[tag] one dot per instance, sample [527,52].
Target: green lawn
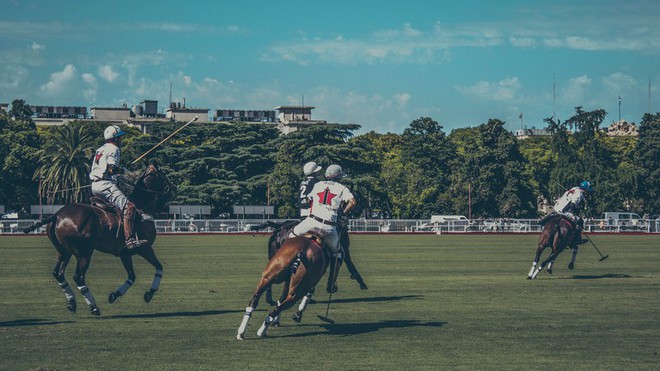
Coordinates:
[434,302]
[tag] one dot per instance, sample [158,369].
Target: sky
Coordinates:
[380,64]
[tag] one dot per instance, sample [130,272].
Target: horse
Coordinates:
[78,229]
[558,233]
[281,232]
[299,263]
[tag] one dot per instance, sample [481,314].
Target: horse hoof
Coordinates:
[549,271]
[240,337]
[529,277]
[297,317]
[113,297]
[72,306]
[95,311]
[571,266]
[149,295]
[363,286]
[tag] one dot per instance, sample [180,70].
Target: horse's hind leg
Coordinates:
[303,305]
[127,262]
[275,313]
[79,278]
[263,284]
[533,271]
[285,293]
[58,273]
[150,256]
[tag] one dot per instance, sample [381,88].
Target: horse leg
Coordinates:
[571,265]
[58,273]
[79,278]
[303,305]
[285,293]
[127,261]
[533,272]
[275,313]
[269,296]
[150,256]
[263,284]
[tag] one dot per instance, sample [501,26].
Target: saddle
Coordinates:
[551,216]
[104,205]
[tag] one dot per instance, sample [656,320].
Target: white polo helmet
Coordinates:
[113,131]
[311,168]
[334,172]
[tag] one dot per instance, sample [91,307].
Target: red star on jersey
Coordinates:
[97,157]
[326,197]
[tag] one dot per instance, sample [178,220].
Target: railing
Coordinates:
[376,226]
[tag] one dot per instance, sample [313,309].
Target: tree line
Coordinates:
[482,171]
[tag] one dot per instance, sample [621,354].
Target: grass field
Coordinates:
[434,302]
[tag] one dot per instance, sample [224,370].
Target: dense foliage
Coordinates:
[480,171]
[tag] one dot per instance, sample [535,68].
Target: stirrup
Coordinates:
[134,243]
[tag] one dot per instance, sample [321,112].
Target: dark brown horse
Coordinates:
[558,233]
[311,262]
[79,229]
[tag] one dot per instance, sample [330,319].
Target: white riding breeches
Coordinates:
[109,192]
[330,238]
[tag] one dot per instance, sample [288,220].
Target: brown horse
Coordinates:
[79,229]
[299,263]
[558,233]
[281,232]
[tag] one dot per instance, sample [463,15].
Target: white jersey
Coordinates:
[107,154]
[571,201]
[326,198]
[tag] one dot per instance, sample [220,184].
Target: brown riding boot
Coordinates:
[129,233]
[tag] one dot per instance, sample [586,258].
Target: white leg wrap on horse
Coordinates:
[87,293]
[156,284]
[68,292]
[124,287]
[264,327]
[246,319]
[531,271]
[303,303]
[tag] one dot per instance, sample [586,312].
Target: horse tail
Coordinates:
[40,223]
[266,225]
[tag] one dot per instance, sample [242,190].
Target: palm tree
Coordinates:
[64,164]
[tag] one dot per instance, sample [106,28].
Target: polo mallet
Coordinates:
[327,308]
[594,245]
[165,140]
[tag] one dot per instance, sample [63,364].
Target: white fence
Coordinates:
[376,226]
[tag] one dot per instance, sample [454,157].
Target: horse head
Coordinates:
[152,189]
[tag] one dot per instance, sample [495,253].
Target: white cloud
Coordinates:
[504,90]
[522,42]
[107,73]
[59,81]
[12,77]
[574,92]
[618,82]
[91,89]
[37,46]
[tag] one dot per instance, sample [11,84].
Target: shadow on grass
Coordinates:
[31,322]
[374,299]
[364,328]
[609,275]
[173,314]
